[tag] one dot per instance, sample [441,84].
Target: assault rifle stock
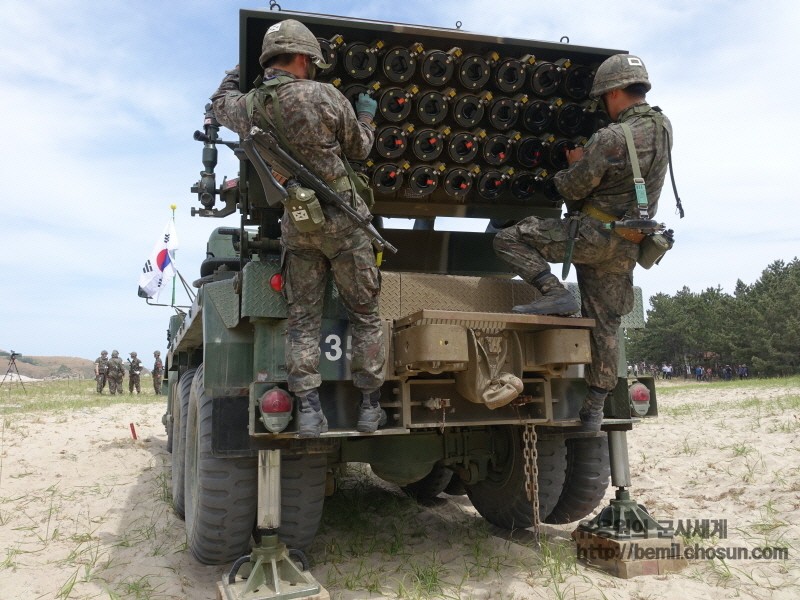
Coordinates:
[266,154]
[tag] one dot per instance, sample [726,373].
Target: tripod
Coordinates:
[12,364]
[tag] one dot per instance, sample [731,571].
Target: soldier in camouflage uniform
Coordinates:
[134,374]
[101,370]
[323,129]
[599,184]
[116,372]
[158,372]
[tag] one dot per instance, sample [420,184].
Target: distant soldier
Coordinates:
[116,373]
[101,370]
[134,371]
[158,372]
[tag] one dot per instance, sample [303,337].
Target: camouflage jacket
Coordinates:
[116,367]
[319,122]
[135,366]
[158,368]
[101,365]
[604,177]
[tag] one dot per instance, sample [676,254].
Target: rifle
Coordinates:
[276,158]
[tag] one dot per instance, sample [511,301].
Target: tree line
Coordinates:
[759,325]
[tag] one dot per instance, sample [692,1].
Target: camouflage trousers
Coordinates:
[157,383]
[101,382]
[307,258]
[134,382]
[115,384]
[604,263]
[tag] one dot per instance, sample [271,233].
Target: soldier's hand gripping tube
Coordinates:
[263,142]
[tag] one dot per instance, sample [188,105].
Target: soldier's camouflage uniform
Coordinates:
[101,371]
[134,375]
[321,126]
[604,261]
[116,373]
[158,374]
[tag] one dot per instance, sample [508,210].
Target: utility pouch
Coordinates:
[653,248]
[304,209]
[361,183]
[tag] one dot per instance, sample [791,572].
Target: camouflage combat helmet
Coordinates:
[133,354]
[114,354]
[617,72]
[291,37]
[157,353]
[104,353]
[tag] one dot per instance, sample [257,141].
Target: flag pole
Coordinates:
[173,207]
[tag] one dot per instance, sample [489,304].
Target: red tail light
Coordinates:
[639,395]
[276,409]
[276,400]
[276,282]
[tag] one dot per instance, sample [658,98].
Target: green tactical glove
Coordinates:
[365,105]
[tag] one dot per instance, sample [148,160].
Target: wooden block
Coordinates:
[630,557]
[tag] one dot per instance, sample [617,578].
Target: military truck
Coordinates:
[468,126]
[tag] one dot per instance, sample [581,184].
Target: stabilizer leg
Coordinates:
[271,571]
[624,539]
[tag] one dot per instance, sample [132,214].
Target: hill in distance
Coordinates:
[50,367]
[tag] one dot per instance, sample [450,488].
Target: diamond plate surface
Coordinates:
[405,293]
[260,300]
[223,297]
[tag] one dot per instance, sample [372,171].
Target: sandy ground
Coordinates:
[84,513]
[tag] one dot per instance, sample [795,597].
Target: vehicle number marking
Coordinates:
[333,347]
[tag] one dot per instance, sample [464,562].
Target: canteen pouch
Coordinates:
[304,209]
[653,248]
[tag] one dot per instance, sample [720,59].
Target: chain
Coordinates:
[531,475]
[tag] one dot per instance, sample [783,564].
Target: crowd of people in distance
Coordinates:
[699,372]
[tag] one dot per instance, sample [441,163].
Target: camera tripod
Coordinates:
[12,364]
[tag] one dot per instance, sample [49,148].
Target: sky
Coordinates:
[100,100]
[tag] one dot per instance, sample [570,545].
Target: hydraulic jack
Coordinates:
[271,570]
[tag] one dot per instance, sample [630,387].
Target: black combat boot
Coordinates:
[591,413]
[370,414]
[555,298]
[310,420]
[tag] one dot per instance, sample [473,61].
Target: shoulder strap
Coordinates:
[678,204]
[655,113]
[638,181]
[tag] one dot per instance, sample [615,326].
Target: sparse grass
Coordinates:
[64,395]
[690,447]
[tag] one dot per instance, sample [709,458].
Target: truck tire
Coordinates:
[501,498]
[180,409]
[303,478]
[587,478]
[430,486]
[173,384]
[221,493]
[552,467]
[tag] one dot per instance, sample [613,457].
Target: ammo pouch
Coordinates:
[653,248]
[303,208]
